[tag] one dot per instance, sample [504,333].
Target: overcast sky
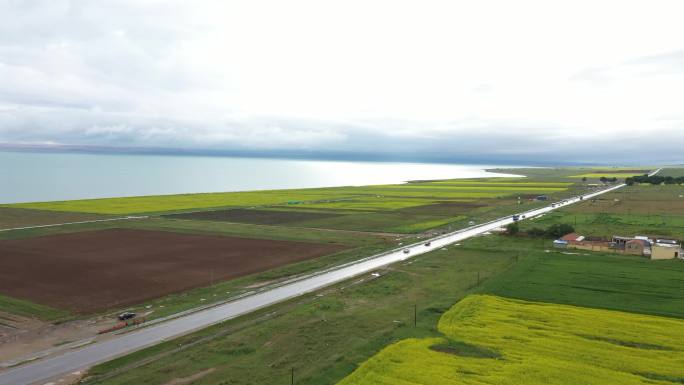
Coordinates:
[521,80]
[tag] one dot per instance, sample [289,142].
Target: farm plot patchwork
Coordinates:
[406,208]
[165,203]
[493,340]
[634,210]
[98,270]
[399,196]
[258,217]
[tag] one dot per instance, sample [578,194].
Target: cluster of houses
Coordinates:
[637,245]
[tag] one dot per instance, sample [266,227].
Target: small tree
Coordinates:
[512,228]
[584,179]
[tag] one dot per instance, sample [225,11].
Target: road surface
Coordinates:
[90,355]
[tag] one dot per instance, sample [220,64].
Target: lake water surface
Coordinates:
[30,177]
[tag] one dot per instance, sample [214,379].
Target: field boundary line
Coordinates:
[77,223]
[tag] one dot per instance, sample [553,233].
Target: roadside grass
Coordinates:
[534,343]
[221,291]
[322,336]
[32,310]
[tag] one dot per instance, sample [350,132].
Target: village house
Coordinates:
[637,245]
[666,249]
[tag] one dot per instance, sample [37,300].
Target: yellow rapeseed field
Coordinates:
[494,340]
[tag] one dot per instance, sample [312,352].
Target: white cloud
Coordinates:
[581,80]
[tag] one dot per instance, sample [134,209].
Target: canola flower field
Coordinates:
[494,340]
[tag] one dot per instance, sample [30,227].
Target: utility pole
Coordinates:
[292,376]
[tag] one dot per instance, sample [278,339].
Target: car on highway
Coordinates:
[406,251]
[516,217]
[427,244]
[126,315]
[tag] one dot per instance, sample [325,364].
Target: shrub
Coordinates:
[559,229]
[512,228]
[536,232]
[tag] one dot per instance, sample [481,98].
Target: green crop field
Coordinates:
[494,340]
[607,281]
[675,172]
[161,203]
[633,210]
[568,174]
[594,175]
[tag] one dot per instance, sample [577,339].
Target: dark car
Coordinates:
[126,315]
[427,243]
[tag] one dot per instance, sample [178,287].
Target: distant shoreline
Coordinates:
[284,155]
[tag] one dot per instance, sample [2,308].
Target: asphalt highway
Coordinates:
[82,358]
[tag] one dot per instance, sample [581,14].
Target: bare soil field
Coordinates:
[257,217]
[98,270]
[14,217]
